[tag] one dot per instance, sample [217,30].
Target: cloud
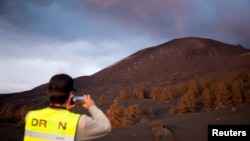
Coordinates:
[220,20]
[156,20]
[26,68]
[81,37]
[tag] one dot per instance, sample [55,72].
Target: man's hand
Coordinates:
[88,102]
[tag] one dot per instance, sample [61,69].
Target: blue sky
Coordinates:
[39,38]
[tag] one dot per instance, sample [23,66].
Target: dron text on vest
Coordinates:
[43,123]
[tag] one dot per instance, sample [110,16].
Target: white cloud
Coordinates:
[27,67]
[24,74]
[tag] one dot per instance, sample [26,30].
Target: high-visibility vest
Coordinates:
[50,124]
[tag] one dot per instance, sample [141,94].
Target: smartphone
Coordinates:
[77,100]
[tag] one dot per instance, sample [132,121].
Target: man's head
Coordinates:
[60,87]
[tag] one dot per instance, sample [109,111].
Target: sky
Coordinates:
[40,38]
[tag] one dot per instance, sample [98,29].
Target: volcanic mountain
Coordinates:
[178,60]
[175,61]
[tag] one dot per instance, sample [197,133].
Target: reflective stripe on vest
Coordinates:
[50,124]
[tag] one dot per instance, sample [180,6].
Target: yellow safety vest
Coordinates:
[50,124]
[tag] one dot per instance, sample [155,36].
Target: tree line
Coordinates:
[229,91]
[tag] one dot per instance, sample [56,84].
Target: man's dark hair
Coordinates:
[60,86]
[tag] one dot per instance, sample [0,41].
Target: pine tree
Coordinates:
[123,95]
[187,102]
[197,84]
[167,93]
[180,88]
[194,87]
[221,95]
[155,92]
[213,82]
[138,92]
[208,100]
[237,98]
[133,111]
[116,115]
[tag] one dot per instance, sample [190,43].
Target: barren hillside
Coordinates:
[169,63]
[174,61]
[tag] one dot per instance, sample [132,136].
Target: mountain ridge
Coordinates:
[177,54]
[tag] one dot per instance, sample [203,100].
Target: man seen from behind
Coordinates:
[57,123]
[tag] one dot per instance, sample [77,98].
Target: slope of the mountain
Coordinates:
[175,61]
